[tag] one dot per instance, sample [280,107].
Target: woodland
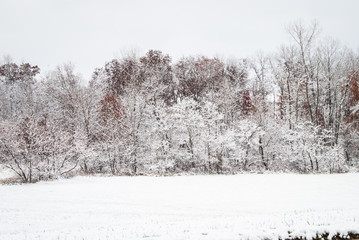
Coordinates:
[294,110]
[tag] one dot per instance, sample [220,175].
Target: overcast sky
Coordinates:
[91,32]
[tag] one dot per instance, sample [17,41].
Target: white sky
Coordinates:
[91,32]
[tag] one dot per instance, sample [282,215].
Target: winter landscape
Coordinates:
[246,206]
[154,145]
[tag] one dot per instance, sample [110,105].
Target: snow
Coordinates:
[6,173]
[182,207]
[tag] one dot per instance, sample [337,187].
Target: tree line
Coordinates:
[292,111]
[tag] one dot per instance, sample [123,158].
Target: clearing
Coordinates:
[183,207]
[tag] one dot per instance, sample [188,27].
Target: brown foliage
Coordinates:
[354,88]
[353,101]
[120,74]
[199,75]
[111,109]
[12,72]
[246,103]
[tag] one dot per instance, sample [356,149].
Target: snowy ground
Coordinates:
[6,173]
[186,207]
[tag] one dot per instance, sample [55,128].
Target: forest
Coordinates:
[295,110]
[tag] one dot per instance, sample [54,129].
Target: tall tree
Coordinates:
[16,87]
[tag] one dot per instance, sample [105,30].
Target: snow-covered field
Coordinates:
[184,207]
